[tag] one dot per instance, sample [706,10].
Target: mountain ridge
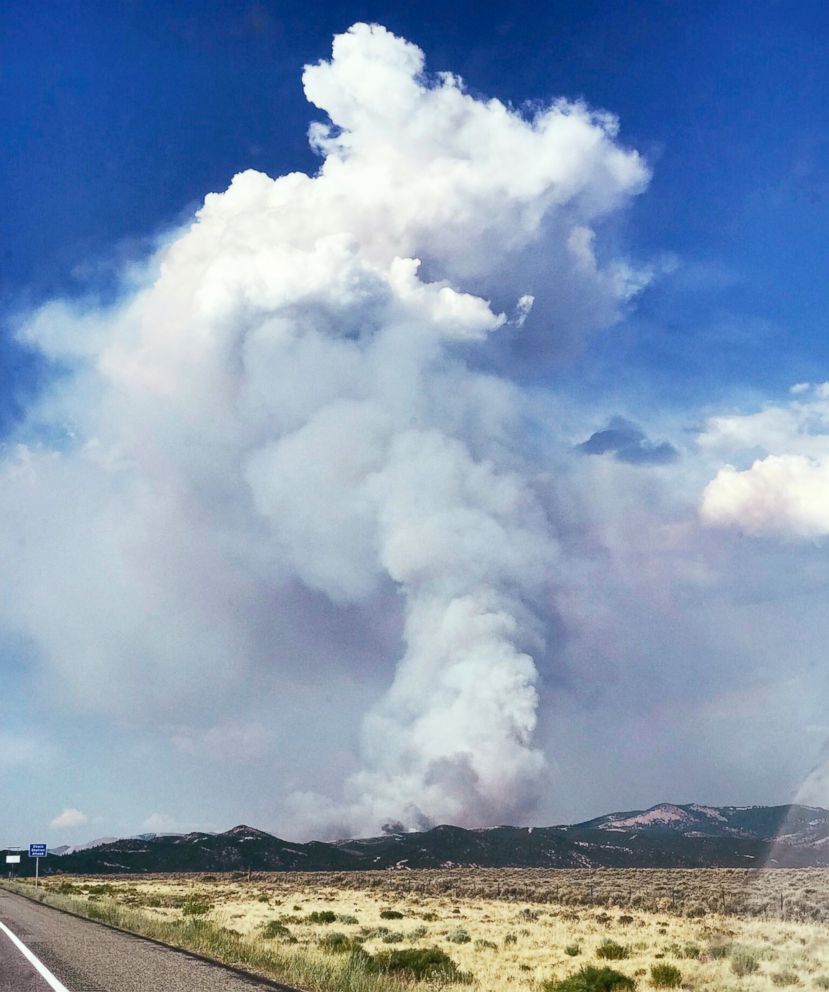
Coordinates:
[667,835]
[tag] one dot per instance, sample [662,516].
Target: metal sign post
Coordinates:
[37,851]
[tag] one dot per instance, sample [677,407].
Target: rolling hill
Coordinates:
[664,836]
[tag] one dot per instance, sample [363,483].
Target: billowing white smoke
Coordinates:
[283,414]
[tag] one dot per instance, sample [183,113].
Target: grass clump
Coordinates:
[195,907]
[718,951]
[610,950]
[785,978]
[321,916]
[572,950]
[418,963]
[459,936]
[592,979]
[665,976]
[744,962]
[273,929]
[485,945]
[338,943]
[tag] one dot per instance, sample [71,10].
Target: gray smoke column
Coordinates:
[287,399]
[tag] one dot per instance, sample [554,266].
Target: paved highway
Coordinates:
[44,950]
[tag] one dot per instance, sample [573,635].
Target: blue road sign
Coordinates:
[37,850]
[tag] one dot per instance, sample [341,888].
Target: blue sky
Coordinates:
[119,117]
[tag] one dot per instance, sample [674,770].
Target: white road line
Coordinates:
[33,961]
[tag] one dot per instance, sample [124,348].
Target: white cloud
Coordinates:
[785,491]
[284,422]
[69,818]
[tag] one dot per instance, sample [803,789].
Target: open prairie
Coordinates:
[525,930]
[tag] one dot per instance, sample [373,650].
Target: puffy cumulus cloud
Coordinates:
[784,491]
[69,818]
[281,440]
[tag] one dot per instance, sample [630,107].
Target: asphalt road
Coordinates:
[81,956]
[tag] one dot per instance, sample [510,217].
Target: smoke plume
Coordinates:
[289,429]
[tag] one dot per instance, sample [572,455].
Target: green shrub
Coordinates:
[744,963]
[691,951]
[665,976]
[592,979]
[625,919]
[392,937]
[419,963]
[347,918]
[573,950]
[611,951]
[418,933]
[274,929]
[459,936]
[321,916]
[391,914]
[337,942]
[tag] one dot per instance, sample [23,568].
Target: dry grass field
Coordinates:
[715,930]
